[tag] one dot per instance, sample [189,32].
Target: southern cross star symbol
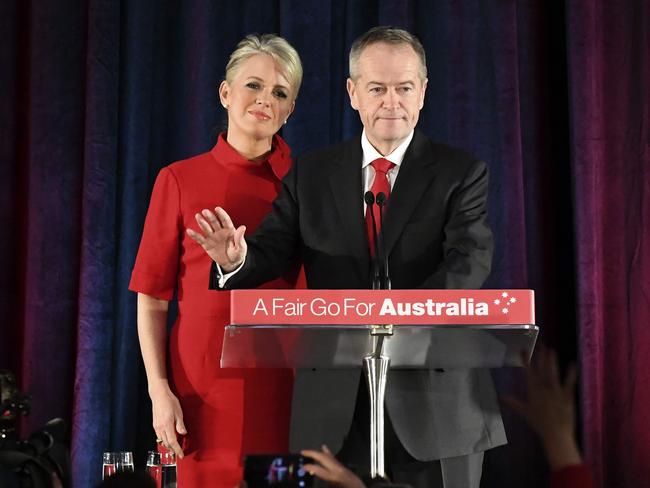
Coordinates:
[505,301]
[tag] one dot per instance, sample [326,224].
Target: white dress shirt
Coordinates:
[370,154]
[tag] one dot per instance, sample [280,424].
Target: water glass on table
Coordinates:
[168,469]
[154,469]
[116,462]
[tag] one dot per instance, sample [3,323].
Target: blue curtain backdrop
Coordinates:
[98,95]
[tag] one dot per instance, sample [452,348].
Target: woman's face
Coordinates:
[259,99]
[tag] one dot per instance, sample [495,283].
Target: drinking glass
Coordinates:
[116,462]
[124,462]
[108,464]
[168,471]
[154,469]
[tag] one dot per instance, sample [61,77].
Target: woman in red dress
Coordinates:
[211,416]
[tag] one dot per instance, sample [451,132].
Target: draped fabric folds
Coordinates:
[99,95]
[609,55]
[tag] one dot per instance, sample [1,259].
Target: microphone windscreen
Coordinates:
[381,198]
[369,198]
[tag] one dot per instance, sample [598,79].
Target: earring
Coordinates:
[285,122]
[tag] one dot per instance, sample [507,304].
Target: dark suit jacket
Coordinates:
[437,237]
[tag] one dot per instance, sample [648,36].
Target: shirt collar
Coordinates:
[279,159]
[370,153]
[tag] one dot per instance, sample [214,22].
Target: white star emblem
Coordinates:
[504,310]
[513,300]
[497,301]
[504,294]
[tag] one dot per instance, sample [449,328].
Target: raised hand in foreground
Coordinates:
[550,408]
[329,469]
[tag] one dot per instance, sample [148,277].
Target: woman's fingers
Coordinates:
[169,437]
[180,426]
[168,420]
[174,445]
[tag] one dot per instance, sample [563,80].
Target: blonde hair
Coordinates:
[388,35]
[275,46]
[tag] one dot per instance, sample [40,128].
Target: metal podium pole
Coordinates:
[376,366]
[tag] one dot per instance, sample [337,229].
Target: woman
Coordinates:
[207,415]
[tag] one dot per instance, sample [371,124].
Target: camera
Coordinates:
[40,461]
[12,404]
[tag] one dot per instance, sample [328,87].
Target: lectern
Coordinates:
[378,330]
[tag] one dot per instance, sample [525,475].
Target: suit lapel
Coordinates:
[415,175]
[345,182]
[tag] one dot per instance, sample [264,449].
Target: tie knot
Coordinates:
[382,165]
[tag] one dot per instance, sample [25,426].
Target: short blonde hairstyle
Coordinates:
[275,46]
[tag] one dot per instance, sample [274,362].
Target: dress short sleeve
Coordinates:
[156,266]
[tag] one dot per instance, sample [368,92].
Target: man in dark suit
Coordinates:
[436,237]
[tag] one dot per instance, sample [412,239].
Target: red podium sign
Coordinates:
[397,307]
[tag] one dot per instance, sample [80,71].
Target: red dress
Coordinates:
[227,412]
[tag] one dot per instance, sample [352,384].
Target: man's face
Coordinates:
[388,93]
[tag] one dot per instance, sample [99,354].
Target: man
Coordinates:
[436,237]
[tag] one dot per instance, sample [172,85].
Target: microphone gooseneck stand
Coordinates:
[375,364]
[369,198]
[381,203]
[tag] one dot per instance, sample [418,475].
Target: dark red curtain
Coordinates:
[609,60]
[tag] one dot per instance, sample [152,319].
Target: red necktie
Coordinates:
[379,184]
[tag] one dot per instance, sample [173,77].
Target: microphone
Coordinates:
[381,203]
[369,198]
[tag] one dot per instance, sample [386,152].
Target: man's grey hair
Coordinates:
[388,35]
